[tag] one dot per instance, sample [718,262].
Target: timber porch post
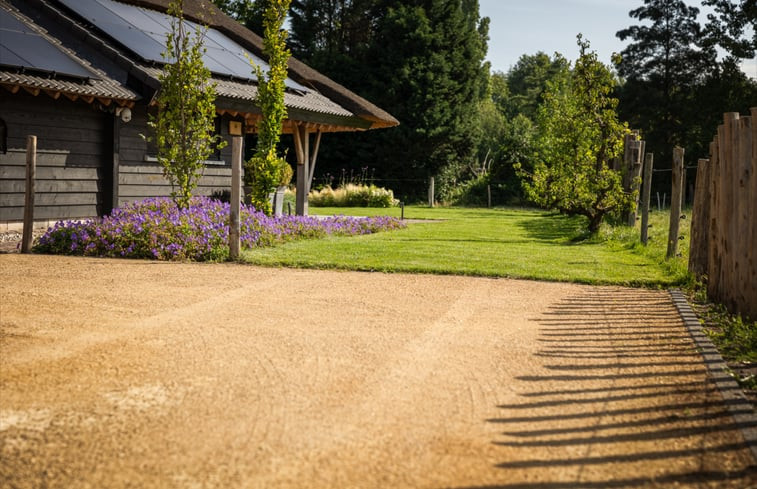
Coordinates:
[305,164]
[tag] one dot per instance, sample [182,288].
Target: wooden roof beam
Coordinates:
[12,88]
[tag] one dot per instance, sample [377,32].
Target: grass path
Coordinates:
[518,243]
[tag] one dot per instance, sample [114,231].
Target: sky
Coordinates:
[527,26]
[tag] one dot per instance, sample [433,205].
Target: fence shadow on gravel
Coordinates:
[619,398]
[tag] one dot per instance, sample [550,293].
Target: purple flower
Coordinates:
[155,228]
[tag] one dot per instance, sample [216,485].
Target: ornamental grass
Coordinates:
[157,229]
[351,195]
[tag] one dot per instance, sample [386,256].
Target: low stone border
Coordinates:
[741,409]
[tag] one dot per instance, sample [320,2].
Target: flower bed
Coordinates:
[155,228]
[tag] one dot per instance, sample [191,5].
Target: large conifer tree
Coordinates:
[666,59]
[422,61]
[675,88]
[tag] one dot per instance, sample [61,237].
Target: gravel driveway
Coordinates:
[117,373]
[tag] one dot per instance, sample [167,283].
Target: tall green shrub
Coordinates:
[266,170]
[184,126]
[578,136]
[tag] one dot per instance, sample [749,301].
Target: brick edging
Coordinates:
[741,409]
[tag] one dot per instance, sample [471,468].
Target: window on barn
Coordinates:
[3,137]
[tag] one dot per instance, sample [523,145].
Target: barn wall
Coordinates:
[72,139]
[139,177]
[75,159]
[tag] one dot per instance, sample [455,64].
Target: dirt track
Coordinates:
[141,374]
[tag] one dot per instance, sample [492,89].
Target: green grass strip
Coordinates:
[516,243]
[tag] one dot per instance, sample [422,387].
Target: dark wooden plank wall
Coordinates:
[139,178]
[74,155]
[72,139]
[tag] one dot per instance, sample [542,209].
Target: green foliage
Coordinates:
[527,82]
[471,193]
[578,136]
[266,170]
[735,336]
[331,34]
[351,195]
[675,88]
[263,175]
[184,125]
[248,12]
[420,60]
[507,128]
[668,57]
[729,26]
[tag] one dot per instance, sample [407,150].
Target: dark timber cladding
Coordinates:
[140,177]
[71,140]
[87,88]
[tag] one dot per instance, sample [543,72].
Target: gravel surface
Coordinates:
[119,373]
[10,241]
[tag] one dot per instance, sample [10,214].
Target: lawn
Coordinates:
[517,243]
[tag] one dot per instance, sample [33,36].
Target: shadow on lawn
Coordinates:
[620,398]
[556,227]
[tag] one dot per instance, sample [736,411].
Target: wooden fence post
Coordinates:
[488,196]
[631,146]
[700,217]
[236,185]
[675,202]
[647,194]
[31,174]
[752,211]
[431,199]
[713,258]
[637,156]
[727,216]
[742,153]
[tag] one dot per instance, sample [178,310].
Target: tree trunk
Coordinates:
[594,222]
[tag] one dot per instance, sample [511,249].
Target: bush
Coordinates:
[473,193]
[351,195]
[158,229]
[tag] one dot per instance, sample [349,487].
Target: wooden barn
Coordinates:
[82,76]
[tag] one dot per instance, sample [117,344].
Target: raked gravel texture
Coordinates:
[119,373]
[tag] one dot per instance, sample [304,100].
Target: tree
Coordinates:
[666,60]
[578,135]
[504,142]
[429,72]
[422,61]
[729,26]
[247,12]
[330,33]
[265,168]
[184,126]
[527,82]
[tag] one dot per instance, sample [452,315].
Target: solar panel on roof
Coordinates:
[144,31]
[22,47]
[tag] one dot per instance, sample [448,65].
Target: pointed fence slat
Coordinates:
[724,221]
